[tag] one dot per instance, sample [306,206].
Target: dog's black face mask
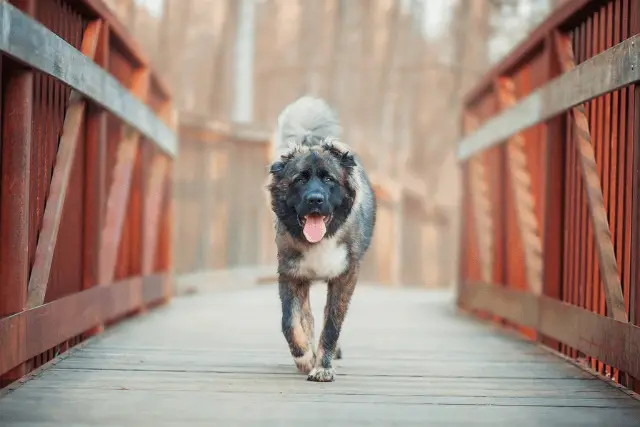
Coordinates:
[311,193]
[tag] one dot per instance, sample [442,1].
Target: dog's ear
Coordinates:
[276,168]
[341,152]
[347,160]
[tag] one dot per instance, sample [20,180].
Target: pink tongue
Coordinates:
[314,228]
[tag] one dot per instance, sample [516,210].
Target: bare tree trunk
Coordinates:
[216,98]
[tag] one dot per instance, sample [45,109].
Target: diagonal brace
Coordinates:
[65,157]
[523,195]
[606,255]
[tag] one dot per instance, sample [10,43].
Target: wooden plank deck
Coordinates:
[218,359]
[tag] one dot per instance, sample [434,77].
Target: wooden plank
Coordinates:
[602,234]
[54,208]
[216,133]
[50,324]
[124,37]
[612,69]
[164,257]
[611,341]
[160,367]
[95,168]
[520,179]
[15,192]
[481,206]
[103,11]
[120,190]
[153,214]
[553,237]
[16,175]
[505,302]
[28,41]
[634,276]
[95,174]
[462,258]
[634,282]
[117,202]
[17,109]
[529,46]
[136,217]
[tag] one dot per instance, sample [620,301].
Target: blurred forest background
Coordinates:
[395,70]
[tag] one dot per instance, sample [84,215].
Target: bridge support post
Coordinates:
[16,110]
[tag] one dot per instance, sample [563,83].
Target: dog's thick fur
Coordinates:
[309,159]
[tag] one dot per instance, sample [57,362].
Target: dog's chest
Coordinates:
[324,260]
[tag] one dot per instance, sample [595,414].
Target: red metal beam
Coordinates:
[601,337]
[119,194]
[635,248]
[602,234]
[17,110]
[153,212]
[14,195]
[32,332]
[54,209]
[529,46]
[95,179]
[552,234]
[99,10]
[117,206]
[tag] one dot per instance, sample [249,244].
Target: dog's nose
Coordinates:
[315,199]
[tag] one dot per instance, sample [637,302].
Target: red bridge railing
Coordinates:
[85,179]
[551,161]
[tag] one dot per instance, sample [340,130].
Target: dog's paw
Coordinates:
[321,375]
[305,363]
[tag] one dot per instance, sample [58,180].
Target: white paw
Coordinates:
[321,375]
[305,363]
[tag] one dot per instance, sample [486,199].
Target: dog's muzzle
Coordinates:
[314,216]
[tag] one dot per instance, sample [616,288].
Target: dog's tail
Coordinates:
[308,120]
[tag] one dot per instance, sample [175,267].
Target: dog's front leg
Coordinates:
[339,295]
[338,353]
[294,296]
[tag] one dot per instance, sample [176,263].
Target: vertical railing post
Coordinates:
[165,253]
[463,234]
[552,233]
[16,110]
[634,280]
[95,179]
[135,220]
[162,242]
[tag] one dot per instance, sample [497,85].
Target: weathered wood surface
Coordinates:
[218,358]
[608,340]
[612,69]
[32,43]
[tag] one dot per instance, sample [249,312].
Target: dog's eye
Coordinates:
[327,178]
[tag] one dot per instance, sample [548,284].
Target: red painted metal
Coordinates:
[37,105]
[570,252]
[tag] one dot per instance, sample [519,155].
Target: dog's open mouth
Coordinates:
[314,226]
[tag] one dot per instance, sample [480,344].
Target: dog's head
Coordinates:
[312,190]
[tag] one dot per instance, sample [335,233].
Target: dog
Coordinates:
[325,214]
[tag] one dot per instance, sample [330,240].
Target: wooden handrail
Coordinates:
[30,42]
[612,69]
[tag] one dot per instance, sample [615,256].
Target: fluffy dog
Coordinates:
[325,212]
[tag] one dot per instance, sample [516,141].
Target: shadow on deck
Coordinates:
[218,358]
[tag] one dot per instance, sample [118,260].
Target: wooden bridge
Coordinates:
[99,180]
